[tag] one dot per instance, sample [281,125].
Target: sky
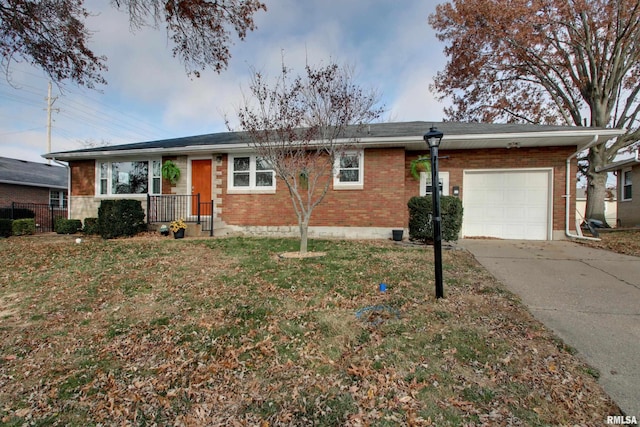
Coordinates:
[149,95]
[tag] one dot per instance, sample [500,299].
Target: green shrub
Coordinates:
[6,229]
[21,227]
[118,218]
[420,208]
[91,226]
[67,226]
[16,213]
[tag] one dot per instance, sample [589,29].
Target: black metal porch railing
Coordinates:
[169,207]
[45,215]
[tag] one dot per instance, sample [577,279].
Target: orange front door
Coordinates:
[200,183]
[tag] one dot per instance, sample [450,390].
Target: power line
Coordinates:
[104,118]
[86,117]
[21,131]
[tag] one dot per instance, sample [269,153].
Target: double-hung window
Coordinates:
[626,184]
[58,199]
[129,177]
[349,171]
[250,174]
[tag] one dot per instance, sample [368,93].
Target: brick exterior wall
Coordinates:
[388,186]
[457,161]
[83,177]
[380,204]
[22,194]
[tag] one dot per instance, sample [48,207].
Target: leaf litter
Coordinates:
[221,332]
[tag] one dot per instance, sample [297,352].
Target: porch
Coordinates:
[169,207]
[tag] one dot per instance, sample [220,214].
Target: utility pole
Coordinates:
[50,102]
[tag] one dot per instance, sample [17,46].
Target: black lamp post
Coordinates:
[433,138]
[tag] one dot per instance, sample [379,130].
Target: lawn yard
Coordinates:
[624,242]
[157,331]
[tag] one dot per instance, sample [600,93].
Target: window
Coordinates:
[425,183]
[104,178]
[131,177]
[58,199]
[349,169]
[626,184]
[156,177]
[250,174]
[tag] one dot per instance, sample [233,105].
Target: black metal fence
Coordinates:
[169,207]
[206,216]
[45,215]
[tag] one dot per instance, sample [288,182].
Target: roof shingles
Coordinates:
[16,171]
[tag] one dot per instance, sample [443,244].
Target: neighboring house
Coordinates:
[36,187]
[29,182]
[513,180]
[610,205]
[628,176]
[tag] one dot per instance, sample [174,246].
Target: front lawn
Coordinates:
[624,242]
[150,331]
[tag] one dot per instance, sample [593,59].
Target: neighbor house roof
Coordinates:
[405,134]
[621,164]
[22,172]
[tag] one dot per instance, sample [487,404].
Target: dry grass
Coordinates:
[151,331]
[624,242]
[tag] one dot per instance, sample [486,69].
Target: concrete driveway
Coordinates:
[589,297]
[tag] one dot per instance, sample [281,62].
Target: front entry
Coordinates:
[200,183]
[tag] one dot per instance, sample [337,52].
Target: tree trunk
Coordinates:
[596,185]
[304,230]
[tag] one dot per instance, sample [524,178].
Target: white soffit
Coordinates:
[502,140]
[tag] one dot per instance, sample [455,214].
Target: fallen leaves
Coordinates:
[623,242]
[117,333]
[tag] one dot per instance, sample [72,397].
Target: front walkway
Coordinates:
[589,297]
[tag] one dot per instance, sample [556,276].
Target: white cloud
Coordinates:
[149,95]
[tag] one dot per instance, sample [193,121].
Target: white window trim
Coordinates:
[622,185]
[252,188]
[109,178]
[359,185]
[62,198]
[425,177]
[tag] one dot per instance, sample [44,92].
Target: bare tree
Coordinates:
[92,143]
[571,62]
[52,34]
[300,127]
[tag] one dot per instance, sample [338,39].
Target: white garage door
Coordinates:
[512,204]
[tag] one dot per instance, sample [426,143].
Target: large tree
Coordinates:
[302,126]
[51,34]
[572,62]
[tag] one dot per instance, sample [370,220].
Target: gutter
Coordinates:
[567,196]
[363,140]
[621,163]
[31,184]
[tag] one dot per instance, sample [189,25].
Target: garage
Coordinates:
[507,204]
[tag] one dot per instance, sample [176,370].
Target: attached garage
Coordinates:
[507,204]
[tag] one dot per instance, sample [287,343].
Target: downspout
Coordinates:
[66,166]
[567,196]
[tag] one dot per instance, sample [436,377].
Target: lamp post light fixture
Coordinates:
[433,138]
